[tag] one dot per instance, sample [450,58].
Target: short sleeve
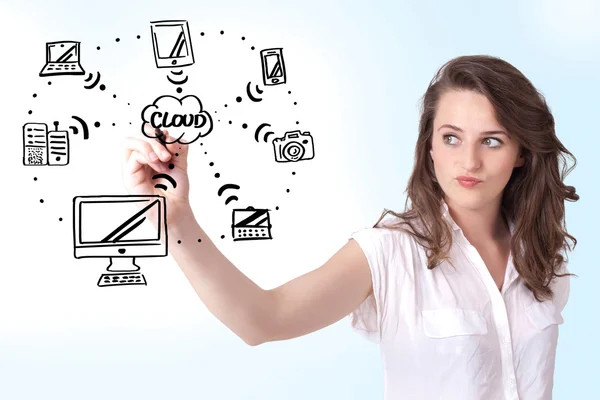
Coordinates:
[367,318]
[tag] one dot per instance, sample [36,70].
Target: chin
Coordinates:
[472,200]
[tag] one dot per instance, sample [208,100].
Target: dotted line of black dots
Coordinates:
[239,100]
[42,200]
[102,87]
[171,166]
[223,32]
[244,126]
[97,124]
[180,89]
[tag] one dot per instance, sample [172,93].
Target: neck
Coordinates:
[482,225]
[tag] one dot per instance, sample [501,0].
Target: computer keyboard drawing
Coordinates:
[122,279]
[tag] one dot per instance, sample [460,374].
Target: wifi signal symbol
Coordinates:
[181,82]
[251,96]
[228,186]
[86,131]
[257,132]
[93,84]
[168,178]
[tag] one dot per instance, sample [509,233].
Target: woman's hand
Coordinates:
[146,158]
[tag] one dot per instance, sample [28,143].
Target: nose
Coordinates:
[471,158]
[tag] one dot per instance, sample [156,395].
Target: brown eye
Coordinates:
[497,140]
[447,136]
[500,142]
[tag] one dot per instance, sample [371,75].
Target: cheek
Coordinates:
[504,166]
[499,172]
[440,155]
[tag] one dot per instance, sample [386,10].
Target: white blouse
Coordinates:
[451,334]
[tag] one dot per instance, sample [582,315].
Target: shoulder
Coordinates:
[389,230]
[389,242]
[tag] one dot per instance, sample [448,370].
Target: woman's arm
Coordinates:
[301,306]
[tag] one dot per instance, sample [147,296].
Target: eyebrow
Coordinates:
[456,128]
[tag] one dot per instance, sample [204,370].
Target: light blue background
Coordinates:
[389,52]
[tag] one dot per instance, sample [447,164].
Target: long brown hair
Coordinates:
[534,196]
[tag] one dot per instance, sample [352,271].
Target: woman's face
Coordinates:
[463,144]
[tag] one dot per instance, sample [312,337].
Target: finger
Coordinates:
[134,168]
[177,151]
[146,152]
[149,130]
[150,148]
[137,162]
[160,150]
[157,141]
[154,133]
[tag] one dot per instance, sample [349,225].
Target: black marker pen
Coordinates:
[160,135]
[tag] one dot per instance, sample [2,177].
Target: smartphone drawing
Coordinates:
[273,66]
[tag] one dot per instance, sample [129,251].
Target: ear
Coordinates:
[520,160]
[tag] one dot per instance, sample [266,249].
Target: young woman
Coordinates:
[464,290]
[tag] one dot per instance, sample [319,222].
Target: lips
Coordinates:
[468,179]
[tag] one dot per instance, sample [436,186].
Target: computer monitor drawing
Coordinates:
[172,44]
[62,58]
[119,228]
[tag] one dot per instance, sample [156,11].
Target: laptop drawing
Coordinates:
[62,58]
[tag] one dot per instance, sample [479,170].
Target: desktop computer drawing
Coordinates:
[62,58]
[117,227]
[172,44]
